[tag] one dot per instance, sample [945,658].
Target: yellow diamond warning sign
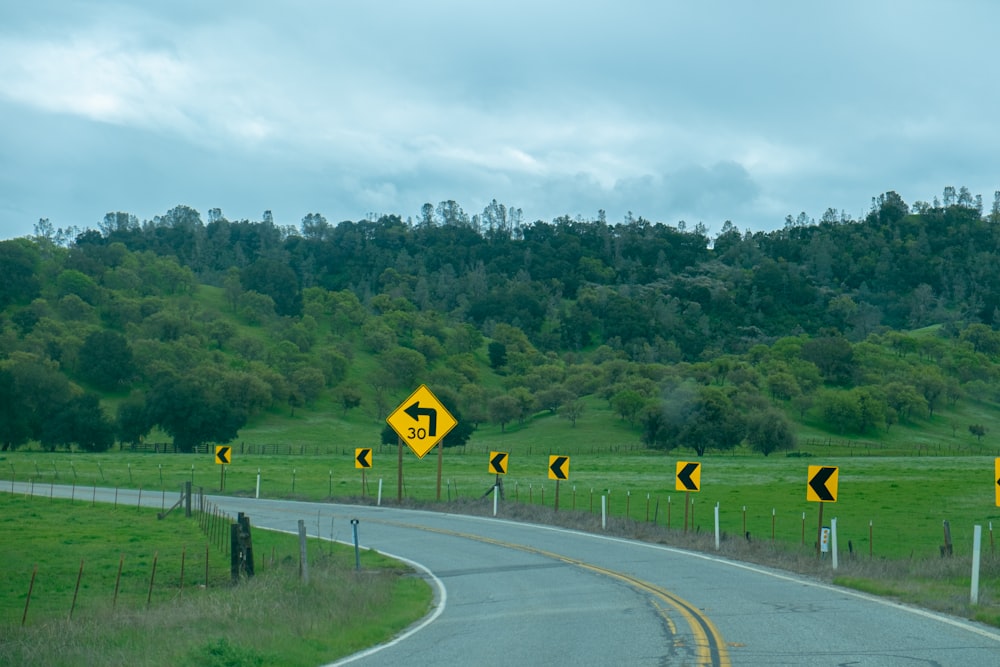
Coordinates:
[421,421]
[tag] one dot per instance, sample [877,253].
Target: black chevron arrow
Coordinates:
[818,483]
[415,412]
[557,465]
[684,476]
[496,463]
[363,458]
[223,454]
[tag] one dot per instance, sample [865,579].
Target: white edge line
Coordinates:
[440,602]
[948,620]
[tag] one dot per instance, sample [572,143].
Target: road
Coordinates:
[513,593]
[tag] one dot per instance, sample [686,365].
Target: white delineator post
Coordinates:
[977,538]
[833,540]
[716,526]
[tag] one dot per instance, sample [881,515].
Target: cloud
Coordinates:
[696,111]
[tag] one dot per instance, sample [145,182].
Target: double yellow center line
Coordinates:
[709,647]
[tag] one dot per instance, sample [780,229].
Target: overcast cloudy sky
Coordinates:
[697,111]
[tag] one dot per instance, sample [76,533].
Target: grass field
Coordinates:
[887,507]
[167,614]
[894,494]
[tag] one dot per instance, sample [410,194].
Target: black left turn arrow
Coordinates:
[222,454]
[557,467]
[818,483]
[364,458]
[415,412]
[498,463]
[684,476]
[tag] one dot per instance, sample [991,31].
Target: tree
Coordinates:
[627,404]
[656,431]
[783,386]
[977,430]
[498,354]
[769,431]
[82,421]
[713,423]
[41,390]
[132,420]
[192,412]
[315,227]
[871,407]
[349,397]
[525,402]
[247,392]
[20,283]
[232,287]
[474,404]
[503,410]
[888,208]
[106,360]
[71,281]
[904,400]
[834,357]
[276,280]
[840,410]
[403,365]
[15,427]
[305,384]
[553,398]
[982,338]
[932,386]
[572,411]
[256,308]
[450,213]
[802,404]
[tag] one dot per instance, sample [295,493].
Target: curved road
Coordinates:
[517,593]
[512,593]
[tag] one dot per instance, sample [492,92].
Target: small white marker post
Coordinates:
[604,512]
[258,483]
[716,526]
[379,501]
[977,538]
[833,540]
[496,495]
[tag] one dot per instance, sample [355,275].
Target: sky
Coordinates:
[699,112]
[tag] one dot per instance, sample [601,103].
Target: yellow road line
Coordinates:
[709,645]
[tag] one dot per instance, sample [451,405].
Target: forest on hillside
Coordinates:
[196,327]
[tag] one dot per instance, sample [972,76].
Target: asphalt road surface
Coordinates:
[509,593]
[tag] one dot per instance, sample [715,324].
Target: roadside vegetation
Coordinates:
[890,510]
[160,616]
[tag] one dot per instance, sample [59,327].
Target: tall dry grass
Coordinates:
[273,618]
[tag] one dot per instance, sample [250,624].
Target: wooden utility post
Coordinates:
[819,530]
[440,447]
[399,472]
[303,563]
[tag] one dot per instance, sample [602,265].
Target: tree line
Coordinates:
[696,341]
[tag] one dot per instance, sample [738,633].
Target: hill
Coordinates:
[879,331]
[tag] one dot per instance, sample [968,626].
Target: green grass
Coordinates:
[273,614]
[896,488]
[887,507]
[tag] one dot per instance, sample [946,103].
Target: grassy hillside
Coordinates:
[198,364]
